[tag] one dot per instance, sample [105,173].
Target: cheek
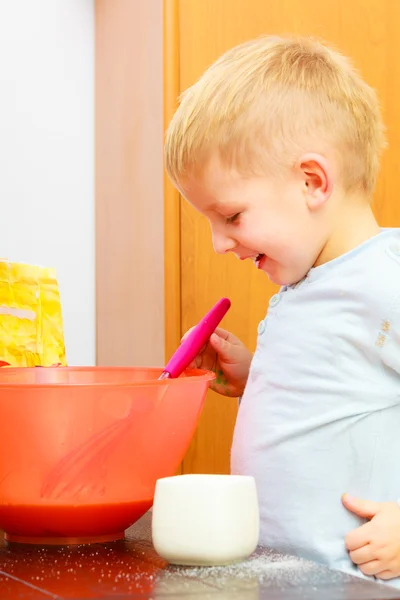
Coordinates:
[214,237]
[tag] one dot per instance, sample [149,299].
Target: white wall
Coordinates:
[47,152]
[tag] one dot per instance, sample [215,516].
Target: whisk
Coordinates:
[74,474]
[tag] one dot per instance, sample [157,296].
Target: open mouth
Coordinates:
[258,260]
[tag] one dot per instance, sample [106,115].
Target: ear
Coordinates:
[316,174]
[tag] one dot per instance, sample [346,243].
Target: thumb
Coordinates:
[221,346]
[362,508]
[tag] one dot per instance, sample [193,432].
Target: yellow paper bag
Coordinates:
[31,325]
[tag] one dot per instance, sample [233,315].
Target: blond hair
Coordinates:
[267,100]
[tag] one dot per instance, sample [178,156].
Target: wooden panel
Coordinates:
[369,31]
[172,213]
[129,182]
[172,250]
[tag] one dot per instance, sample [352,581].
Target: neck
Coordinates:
[354,224]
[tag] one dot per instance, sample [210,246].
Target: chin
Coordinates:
[282,275]
[277,279]
[282,279]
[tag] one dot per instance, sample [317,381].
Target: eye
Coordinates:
[232,219]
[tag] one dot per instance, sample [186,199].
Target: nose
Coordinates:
[222,243]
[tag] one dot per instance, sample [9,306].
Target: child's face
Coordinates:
[277,223]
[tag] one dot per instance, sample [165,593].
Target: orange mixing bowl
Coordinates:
[82,448]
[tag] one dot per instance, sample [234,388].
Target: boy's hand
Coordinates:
[375,546]
[229,358]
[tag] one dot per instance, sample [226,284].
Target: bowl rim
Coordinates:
[192,375]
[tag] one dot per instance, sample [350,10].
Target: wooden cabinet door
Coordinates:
[198,32]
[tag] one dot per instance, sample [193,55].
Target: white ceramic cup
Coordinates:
[204,520]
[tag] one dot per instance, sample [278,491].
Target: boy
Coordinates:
[278,145]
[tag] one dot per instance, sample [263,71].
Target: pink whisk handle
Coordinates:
[196,339]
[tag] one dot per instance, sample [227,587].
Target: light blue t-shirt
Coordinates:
[320,415]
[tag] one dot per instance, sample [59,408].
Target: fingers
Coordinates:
[370,568]
[222,333]
[221,344]
[357,538]
[222,347]
[365,559]
[386,575]
[362,508]
[362,555]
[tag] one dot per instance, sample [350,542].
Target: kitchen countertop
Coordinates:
[131,569]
